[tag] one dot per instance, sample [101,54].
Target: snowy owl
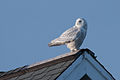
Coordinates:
[72,37]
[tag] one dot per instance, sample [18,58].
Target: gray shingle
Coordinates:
[54,76]
[68,63]
[27,75]
[55,66]
[39,71]
[55,71]
[45,78]
[38,76]
[13,78]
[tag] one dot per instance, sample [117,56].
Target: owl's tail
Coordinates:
[56,42]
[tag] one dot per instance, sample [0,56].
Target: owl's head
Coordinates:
[81,22]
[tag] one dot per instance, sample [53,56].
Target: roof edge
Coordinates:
[39,65]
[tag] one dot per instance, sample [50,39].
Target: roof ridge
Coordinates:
[40,65]
[54,58]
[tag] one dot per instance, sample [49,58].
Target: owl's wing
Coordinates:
[70,34]
[66,37]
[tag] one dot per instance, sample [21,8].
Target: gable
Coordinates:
[85,64]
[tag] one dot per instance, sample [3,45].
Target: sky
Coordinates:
[27,26]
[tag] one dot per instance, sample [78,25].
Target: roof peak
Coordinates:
[71,56]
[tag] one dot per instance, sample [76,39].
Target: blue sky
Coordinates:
[27,26]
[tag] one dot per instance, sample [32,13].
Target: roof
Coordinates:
[49,69]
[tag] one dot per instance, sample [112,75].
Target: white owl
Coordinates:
[72,37]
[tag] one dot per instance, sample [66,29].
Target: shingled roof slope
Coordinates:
[46,70]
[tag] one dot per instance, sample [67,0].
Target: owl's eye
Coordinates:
[80,21]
